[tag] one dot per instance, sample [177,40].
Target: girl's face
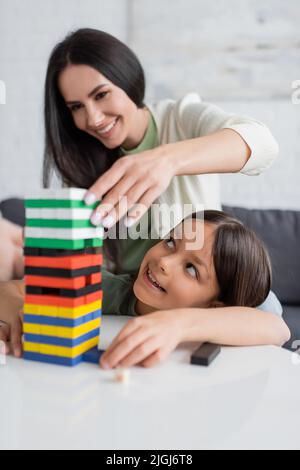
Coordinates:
[102,109]
[187,276]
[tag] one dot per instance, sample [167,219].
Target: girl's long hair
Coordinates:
[241,261]
[78,158]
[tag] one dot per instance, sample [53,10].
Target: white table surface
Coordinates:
[248,398]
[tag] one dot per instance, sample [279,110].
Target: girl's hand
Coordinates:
[145,340]
[11,305]
[141,178]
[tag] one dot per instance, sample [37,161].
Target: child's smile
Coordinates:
[152,281]
[172,275]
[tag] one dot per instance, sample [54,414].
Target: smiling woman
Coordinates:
[94,93]
[104,112]
[84,64]
[100,135]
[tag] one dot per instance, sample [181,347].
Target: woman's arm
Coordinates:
[149,339]
[223,142]
[205,139]
[221,152]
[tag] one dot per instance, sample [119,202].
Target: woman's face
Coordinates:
[185,282]
[102,109]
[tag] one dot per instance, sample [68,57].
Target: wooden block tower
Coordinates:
[63,259]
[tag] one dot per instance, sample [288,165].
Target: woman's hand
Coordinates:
[145,340]
[11,306]
[133,179]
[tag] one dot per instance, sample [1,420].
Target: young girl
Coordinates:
[185,290]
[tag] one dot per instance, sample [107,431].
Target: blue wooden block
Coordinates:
[93,355]
[61,361]
[62,322]
[56,341]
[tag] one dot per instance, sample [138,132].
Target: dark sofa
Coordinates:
[280,230]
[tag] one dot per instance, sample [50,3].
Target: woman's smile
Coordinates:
[107,131]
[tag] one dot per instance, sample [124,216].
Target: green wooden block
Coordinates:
[63,244]
[56,223]
[57,203]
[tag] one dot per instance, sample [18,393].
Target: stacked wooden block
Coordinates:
[63,259]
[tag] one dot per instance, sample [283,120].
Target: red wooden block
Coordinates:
[63,301]
[65,262]
[75,283]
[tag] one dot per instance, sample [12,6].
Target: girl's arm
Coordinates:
[235,326]
[149,339]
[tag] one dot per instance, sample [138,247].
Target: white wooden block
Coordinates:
[73,194]
[64,234]
[59,214]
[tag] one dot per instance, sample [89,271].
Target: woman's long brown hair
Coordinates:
[78,158]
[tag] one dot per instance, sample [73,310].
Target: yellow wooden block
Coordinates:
[62,312]
[62,332]
[31,347]
[59,350]
[35,330]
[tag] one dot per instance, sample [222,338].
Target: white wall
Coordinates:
[29,29]
[279,187]
[241,55]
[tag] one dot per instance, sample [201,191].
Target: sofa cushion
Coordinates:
[13,210]
[280,230]
[291,316]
